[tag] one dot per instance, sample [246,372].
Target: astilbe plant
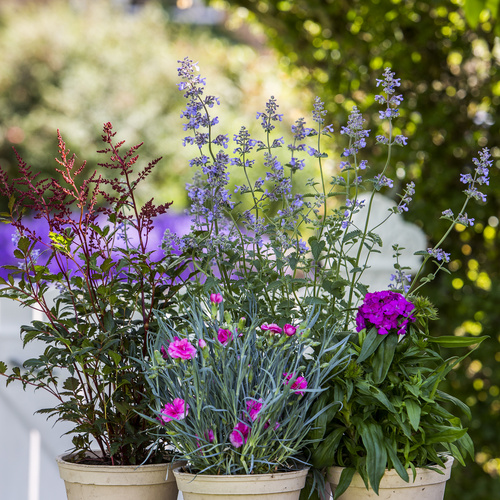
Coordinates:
[290,249]
[234,396]
[90,252]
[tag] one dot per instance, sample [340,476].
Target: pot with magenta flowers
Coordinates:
[234,397]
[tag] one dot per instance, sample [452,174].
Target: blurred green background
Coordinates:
[72,65]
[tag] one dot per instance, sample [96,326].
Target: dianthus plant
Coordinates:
[235,395]
[295,246]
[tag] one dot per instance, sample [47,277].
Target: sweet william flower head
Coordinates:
[386,311]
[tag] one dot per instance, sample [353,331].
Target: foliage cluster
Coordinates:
[109,281]
[292,251]
[246,394]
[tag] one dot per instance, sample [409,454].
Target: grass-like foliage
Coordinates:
[236,397]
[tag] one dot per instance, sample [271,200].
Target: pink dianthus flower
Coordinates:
[239,435]
[181,348]
[177,410]
[272,327]
[224,336]
[299,383]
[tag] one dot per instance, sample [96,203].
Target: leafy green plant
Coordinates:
[393,413]
[91,245]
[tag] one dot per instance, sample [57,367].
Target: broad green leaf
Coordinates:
[403,473]
[371,342]
[455,401]
[344,482]
[323,455]
[452,341]
[414,411]
[447,435]
[376,453]
[370,390]
[383,357]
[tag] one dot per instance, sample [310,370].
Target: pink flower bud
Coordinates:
[289,330]
[215,298]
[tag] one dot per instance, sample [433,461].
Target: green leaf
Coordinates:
[352,234]
[453,341]
[456,402]
[403,473]
[447,435]
[414,411]
[316,247]
[383,357]
[344,482]
[71,384]
[371,342]
[323,455]
[3,367]
[370,390]
[376,453]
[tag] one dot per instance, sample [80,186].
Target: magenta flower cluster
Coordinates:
[183,349]
[288,330]
[386,311]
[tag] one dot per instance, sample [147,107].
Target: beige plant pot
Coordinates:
[428,485]
[121,482]
[278,486]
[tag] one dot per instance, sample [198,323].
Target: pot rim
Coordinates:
[422,476]
[238,477]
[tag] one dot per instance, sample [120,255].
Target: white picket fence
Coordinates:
[29,443]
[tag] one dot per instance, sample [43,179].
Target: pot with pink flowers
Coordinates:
[235,398]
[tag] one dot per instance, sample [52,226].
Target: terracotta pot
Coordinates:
[121,482]
[275,486]
[428,485]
